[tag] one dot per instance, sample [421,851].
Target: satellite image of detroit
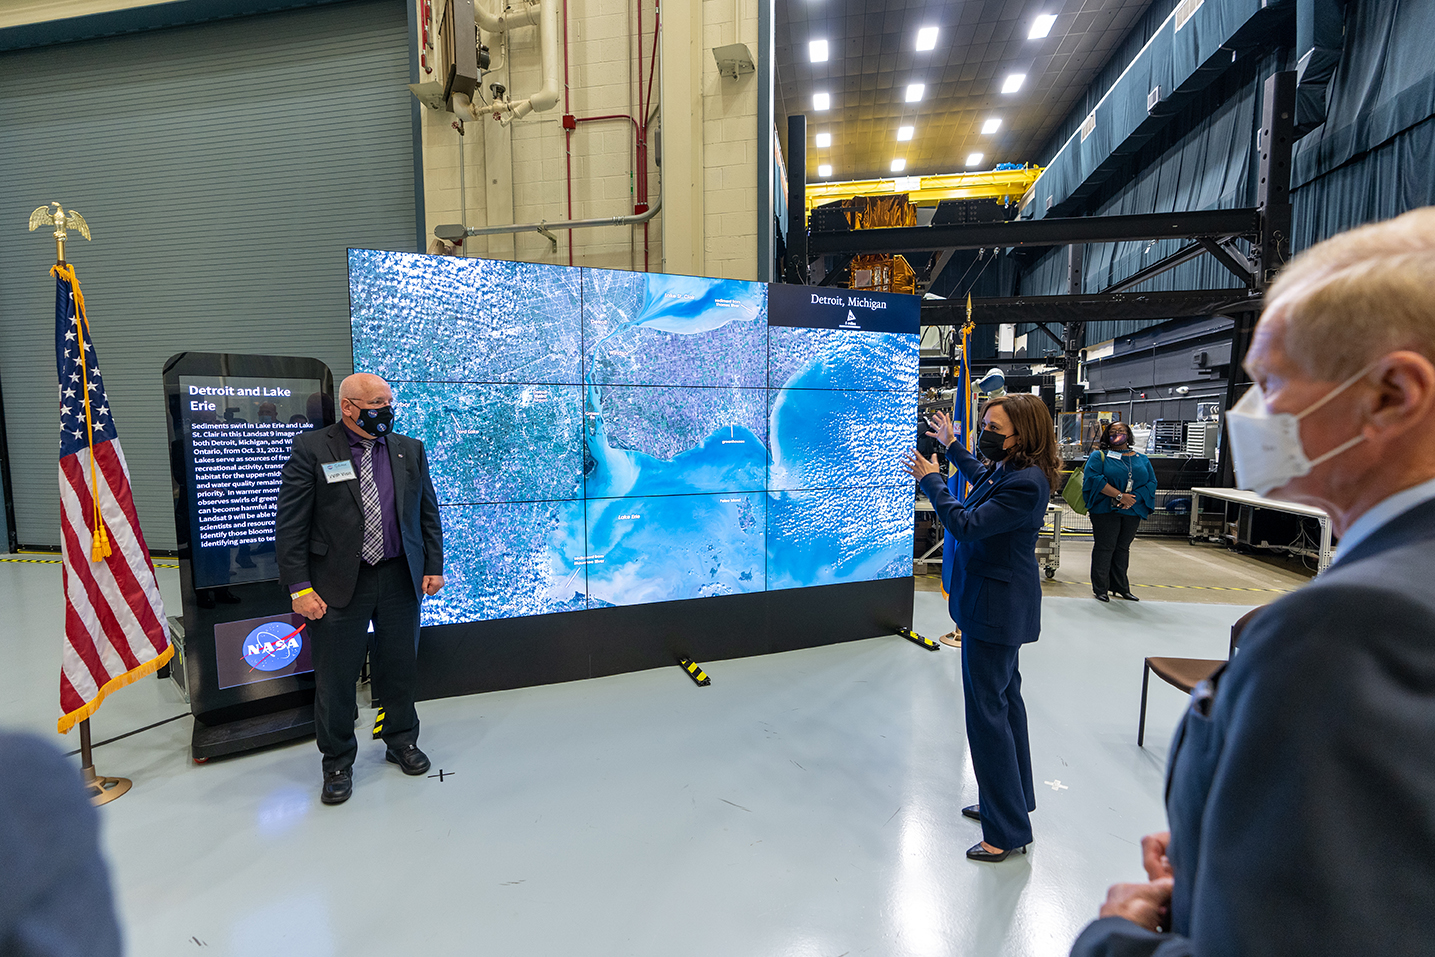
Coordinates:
[602,438]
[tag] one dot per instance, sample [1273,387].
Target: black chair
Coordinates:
[1186,673]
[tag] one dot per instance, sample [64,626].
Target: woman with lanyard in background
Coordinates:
[996,598]
[1119,486]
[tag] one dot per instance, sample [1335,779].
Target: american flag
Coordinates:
[115,630]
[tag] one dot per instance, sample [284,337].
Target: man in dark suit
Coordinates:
[1301,785]
[358,540]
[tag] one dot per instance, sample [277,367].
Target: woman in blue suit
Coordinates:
[996,598]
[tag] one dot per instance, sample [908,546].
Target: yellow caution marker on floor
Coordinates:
[912,636]
[694,672]
[379,724]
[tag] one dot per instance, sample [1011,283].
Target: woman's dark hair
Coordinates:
[1105,443]
[1035,434]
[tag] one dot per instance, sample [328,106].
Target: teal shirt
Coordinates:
[1113,468]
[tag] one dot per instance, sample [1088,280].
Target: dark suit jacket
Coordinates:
[995,590]
[320,526]
[1301,788]
[54,885]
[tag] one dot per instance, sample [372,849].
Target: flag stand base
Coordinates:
[102,790]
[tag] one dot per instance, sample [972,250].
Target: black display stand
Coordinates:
[224,588]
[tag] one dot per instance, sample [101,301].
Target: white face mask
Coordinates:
[1266,445]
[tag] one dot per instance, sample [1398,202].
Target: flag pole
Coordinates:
[102,790]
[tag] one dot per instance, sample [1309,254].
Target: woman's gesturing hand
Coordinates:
[941,424]
[918,466]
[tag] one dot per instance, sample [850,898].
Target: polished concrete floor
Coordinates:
[804,804]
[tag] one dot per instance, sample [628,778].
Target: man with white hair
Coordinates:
[359,541]
[1301,785]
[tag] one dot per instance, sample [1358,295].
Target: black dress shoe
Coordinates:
[1128,596]
[1102,596]
[974,812]
[978,853]
[338,785]
[410,759]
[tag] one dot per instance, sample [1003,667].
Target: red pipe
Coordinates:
[640,129]
[567,133]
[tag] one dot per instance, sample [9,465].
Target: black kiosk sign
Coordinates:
[232,422]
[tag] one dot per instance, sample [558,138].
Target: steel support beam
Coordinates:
[797,245]
[1090,307]
[1217,223]
[1074,332]
[1273,187]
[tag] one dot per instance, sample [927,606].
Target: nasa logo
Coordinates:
[273,645]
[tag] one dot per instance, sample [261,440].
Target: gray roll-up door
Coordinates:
[224,169]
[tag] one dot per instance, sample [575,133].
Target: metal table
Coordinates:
[1048,542]
[1324,554]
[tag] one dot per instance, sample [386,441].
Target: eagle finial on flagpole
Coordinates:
[60,220]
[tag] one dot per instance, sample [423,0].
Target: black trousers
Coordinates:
[997,735]
[1112,535]
[384,595]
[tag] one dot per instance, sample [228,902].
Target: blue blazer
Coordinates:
[1301,785]
[994,589]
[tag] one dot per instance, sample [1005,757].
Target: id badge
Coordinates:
[339,472]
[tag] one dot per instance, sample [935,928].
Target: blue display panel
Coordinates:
[665,548]
[656,329]
[444,319]
[842,359]
[601,438]
[826,438]
[646,440]
[515,443]
[827,536]
[509,559]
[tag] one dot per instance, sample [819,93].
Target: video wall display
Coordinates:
[601,438]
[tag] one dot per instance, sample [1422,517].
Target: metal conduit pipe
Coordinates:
[525,15]
[547,97]
[455,232]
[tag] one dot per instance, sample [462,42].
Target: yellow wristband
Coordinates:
[301,594]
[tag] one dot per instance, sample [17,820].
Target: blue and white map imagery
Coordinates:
[444,319]
[602,438]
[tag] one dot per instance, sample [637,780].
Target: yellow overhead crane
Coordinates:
[877,203]
[1007,185]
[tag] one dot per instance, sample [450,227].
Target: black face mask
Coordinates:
[990,445]
[378,421]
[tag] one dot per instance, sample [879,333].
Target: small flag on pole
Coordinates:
[114,618]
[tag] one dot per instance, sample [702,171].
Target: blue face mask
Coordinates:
[378,421]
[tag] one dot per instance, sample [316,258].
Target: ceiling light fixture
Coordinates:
[915,91]
[1041,26]
[1013,83]
[822,140]
[991,126]
[975,159]
[817,50]
[927,38]
[824,171]
[899,165]
[821,101]
[905,132]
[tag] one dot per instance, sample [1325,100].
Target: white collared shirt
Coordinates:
[1383,512]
